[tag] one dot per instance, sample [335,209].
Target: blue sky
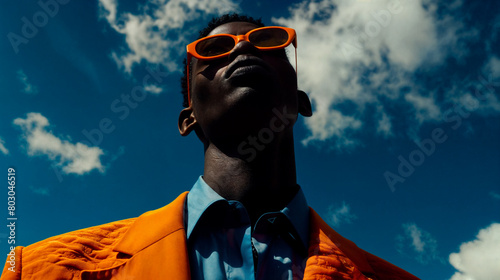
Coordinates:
[402,155]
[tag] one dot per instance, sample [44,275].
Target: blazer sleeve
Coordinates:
[13,265]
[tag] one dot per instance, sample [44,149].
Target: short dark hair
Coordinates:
[215,22]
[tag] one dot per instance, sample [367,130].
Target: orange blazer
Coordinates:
[153,246]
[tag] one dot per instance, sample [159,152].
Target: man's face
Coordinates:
[234,96]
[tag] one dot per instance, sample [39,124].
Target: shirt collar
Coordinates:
[199,199]
[202,196]
[297,212]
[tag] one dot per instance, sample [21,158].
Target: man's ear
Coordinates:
[187,121]
[305,108]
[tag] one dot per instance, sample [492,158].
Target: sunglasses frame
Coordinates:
[191,48]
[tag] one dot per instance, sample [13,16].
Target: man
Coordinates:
[246,217]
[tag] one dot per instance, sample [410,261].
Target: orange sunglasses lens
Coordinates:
[214,46]
[266,38]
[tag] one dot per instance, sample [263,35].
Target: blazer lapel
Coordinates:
[155,247]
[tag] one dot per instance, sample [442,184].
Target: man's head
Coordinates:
[239,94]
[215,22]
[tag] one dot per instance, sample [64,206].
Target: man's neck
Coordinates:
[267,183]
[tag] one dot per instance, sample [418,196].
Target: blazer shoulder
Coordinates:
[386,270]
[65,256]
[331,247]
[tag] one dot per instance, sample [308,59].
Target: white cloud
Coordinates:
[384,125]
[492,67]
[479,259]
[154,89]
[40,191]
[479,95]
[417,243]
[425,107]
[72,158]
[157,34]
[415,235]
[366,53]
[4,150]
[28,87]
[108,10]
[338,215]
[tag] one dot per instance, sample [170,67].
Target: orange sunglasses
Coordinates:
[221,45]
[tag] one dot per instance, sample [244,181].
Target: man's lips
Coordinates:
[245,64]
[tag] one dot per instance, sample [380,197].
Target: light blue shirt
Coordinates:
[222,245]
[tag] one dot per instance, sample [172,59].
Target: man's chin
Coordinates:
[250,100]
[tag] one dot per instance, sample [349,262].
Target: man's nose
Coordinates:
[243,47]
